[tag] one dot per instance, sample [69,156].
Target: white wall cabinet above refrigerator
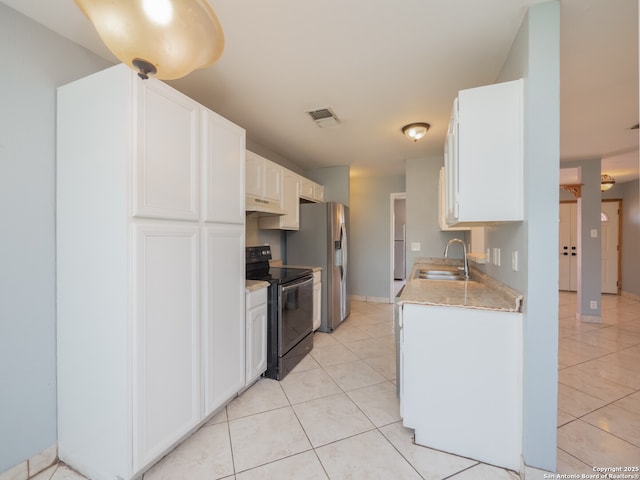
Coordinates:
[484,156]
[150,314]
[310,190]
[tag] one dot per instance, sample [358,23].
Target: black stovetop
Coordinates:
[257,267]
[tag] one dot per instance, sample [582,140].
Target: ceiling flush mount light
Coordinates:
[606,182]
[415,131]
[164,38]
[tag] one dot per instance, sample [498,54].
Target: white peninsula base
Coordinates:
[461,381]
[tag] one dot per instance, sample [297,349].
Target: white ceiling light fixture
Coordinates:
[606,182]
[164,38]
[415,131]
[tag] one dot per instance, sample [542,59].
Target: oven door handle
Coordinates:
[297,284]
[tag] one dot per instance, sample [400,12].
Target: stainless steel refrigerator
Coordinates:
[322,241]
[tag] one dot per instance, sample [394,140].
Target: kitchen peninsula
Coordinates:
[460,363]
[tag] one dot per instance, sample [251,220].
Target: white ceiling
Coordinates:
[380,64]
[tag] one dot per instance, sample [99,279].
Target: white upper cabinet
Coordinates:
[442,214]
[167,161]
[263,177]
[289,202]
[306,188]
[318,192]
[223,149]
[273,180]
[310,190]
[484,155]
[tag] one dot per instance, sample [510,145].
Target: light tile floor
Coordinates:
[599,386]
[336,415]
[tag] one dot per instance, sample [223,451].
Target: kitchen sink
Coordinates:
[428,274]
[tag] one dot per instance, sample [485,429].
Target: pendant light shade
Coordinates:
[164,38]
[606,182]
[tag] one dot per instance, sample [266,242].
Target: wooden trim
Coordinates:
[574,189]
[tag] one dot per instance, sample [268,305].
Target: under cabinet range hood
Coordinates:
[260,207]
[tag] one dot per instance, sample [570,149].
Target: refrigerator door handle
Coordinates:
[343,241]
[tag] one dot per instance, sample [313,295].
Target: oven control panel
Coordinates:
[258,254]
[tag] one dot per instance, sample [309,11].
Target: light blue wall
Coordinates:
[336,183]
[370,223]
[535,56]
[422,175]
[34,62]
[589,267]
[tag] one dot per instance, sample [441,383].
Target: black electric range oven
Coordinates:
[290,310]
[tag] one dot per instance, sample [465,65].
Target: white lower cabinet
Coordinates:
[461,371]
[317,300]
[223,314]
[256,335]
[166,352]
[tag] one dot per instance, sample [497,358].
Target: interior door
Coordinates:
[568,229]
[569,254]
[610,221]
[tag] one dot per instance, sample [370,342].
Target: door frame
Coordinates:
[392,216]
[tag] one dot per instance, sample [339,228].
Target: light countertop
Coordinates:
[480,292]
[251,285]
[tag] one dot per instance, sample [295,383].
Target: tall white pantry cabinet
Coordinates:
[150,270]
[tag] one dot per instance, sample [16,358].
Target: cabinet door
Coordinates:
[166,338]
[290,202]
[224,314]
[490,153]
[451,168]
[306,188]
[317,300]
[272,180]
[254,176]
[166,153]
[224,176]
[256,341]
[442,214]
[318,192]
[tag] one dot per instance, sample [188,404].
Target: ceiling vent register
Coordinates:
[324,117]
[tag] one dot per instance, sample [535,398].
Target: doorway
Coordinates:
[609,246]
[398,236]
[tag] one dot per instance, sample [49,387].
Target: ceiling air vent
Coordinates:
[324,117]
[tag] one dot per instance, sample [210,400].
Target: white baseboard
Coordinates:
[531,473]
[630,295]
[589,318]
[364,298]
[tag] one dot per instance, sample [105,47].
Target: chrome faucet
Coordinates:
[464,252]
